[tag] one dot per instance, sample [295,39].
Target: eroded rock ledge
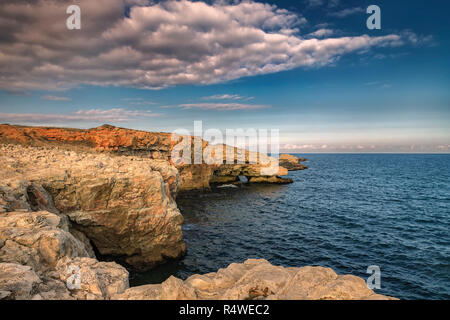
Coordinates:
[258,279]
[291,163]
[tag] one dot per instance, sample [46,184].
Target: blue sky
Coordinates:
[385,96]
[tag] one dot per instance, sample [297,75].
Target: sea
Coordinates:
[346,212]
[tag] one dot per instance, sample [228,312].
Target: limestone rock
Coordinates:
[292,163]
[103,138]
[258,279]
[51,288]
[85,240]
[99,280]
[106,139]
[125,206]
[17,282]
[34,258]
[270,179]
[144,292]
[37,239]
[196,176]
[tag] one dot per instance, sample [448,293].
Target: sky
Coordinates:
[310,68]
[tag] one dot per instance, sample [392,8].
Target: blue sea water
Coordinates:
[347,211]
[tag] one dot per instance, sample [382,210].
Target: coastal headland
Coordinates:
[69,197]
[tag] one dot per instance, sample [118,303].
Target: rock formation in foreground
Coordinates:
[36,249]
[291,163]
[37,252]
[258,279]
[124,205]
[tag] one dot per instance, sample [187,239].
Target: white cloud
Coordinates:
[347,12]
[364,148]
[158,45]
[55,98]
[92,115]
[290,146]
[444,147]
[227,97]
[321,33]
[222,106]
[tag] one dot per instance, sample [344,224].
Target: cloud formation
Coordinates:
[92,115]
[364,148]
[158,45]
[347,12]
[54,98]
[223,106]
[226,97]
[321,33]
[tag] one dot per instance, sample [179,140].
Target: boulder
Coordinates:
[37,250]
[37,239]
[17,282]
[99,280]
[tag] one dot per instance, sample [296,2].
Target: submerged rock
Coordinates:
[258,279]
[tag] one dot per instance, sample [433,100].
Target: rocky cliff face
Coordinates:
[149,145]
[124,205]
[155,145]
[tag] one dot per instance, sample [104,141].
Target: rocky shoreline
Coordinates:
[292,163]
[70,196]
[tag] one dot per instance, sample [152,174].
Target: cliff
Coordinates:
[116,186]
[149,145]
[291,163]
[124,205]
